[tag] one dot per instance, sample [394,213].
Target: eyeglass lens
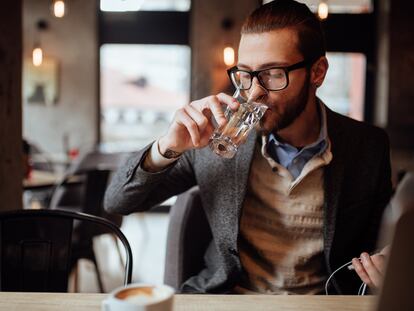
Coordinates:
[271,79]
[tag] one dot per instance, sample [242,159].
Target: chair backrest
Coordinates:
[95,166]
[189,235]
[94,169]
[98,160]
[36,249]
[39,159]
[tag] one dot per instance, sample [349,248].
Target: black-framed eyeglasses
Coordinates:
[272,79]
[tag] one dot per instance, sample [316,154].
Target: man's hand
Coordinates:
[371,268]
[192,127]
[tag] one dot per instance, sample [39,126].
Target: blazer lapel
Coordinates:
[243,159]
[333,182]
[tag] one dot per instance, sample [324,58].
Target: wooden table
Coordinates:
[83,302]
[40,179]
[44,179]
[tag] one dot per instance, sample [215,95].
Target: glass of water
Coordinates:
[226,139]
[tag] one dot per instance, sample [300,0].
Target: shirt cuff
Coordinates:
[155,160]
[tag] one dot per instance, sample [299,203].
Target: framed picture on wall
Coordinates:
[40,83]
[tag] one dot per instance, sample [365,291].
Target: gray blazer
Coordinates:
[357,188]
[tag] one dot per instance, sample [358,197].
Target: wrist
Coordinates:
[167,151]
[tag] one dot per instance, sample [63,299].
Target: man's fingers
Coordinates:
[359,269]
[197,116]
[213,105]
[371,269]
[228,100]
[208,131]
[183,118]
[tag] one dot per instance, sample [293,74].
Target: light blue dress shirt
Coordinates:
[294,159]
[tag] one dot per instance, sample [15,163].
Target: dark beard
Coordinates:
[294,107]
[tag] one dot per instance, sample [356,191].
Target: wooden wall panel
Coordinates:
[10,105]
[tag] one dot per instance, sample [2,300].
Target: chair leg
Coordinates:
[76,278]
[121,260]
[98,274]
[73,280]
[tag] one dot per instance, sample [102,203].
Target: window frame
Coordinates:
[359,36]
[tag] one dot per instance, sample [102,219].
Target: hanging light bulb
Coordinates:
[37,53]
[323,10]
[228,56]
[37,56]
[59,8]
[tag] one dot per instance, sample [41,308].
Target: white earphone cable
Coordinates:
[362,288]
[332,274]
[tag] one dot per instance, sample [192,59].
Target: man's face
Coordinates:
[269,49]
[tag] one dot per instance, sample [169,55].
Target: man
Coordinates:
[302,196]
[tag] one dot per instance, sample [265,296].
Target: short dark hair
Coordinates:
[280,14]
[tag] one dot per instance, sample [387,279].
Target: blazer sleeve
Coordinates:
[134,190]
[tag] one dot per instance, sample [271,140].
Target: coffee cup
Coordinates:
[140,297]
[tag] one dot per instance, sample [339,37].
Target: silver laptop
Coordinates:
[397,292]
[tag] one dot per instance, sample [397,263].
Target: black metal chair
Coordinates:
[36,249]
[91,173]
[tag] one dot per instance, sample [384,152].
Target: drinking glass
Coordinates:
[226,139]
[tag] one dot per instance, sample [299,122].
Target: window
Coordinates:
[145,62]
[142,85]
[344,87]
[145,5]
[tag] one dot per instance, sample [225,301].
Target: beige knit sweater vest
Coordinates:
[281,229]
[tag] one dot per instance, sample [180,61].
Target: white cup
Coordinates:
[140,297]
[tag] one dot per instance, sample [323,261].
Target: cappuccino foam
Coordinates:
[143,295]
